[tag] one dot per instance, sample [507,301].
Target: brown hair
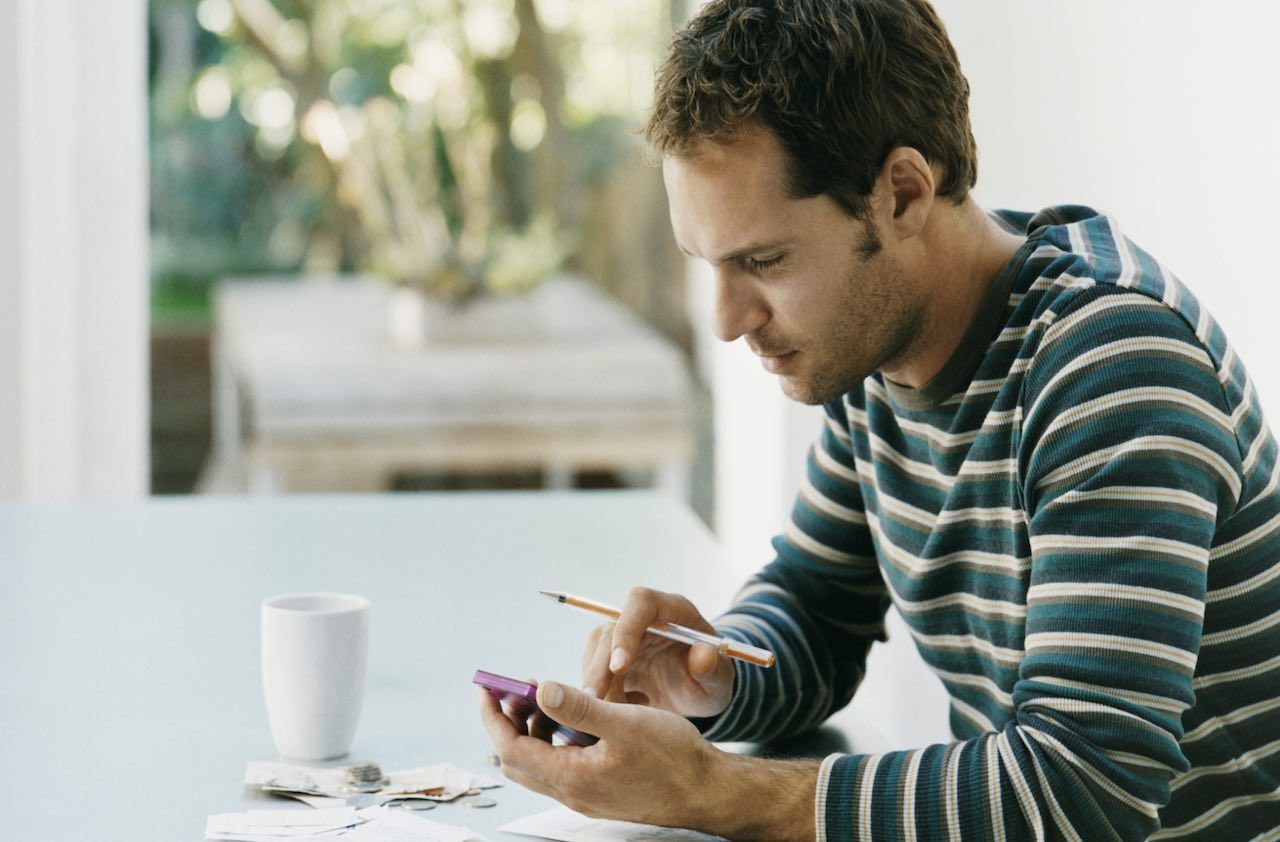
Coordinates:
[840,82]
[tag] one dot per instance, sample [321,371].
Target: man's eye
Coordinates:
[761,265]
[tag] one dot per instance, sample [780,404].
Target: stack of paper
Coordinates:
[370,824]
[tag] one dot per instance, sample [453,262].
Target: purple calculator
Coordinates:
[521,698]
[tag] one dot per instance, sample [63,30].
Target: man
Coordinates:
[1038,446]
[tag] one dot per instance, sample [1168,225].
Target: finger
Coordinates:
[595,661]
[502,731]
[527,781]
[531,757]
[617,690]
[638,613]
[703,660]
[517,713]
[519,719]
[576,709]
[532,763]
[541,727]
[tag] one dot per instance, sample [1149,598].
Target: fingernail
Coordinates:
[554,694]
[617,659]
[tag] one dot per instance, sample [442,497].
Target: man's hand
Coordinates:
[652,766]
[622,663]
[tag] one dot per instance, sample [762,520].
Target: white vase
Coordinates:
[407,319]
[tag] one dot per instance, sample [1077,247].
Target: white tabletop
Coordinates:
[130,697]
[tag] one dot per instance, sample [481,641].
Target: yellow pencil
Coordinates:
[673,631]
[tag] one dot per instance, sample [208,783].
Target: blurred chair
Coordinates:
[313,392]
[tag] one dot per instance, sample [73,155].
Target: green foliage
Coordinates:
[441,143]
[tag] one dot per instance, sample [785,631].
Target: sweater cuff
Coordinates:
[820,797]
[845,788]
[866,797]
[747,692]
[718,728]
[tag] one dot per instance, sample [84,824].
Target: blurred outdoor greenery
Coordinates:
[466,147]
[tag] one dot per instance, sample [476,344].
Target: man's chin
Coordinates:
[801,391]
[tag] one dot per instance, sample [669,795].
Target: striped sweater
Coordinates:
[1079,520]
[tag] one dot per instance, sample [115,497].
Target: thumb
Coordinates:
[703,660]
[570,706]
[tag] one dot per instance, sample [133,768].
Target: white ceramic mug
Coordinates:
[315,653]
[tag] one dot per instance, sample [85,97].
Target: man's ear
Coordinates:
[904,193]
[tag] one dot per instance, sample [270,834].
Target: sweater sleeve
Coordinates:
[1127,463]
[818,606]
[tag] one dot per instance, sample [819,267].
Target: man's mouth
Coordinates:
[776,363]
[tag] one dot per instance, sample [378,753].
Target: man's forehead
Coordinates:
[754,154]
[727,199]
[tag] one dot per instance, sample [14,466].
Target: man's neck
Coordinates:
[968,253]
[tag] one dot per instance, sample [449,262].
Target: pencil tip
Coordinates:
[551,594]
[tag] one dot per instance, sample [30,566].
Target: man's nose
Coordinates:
[738,311]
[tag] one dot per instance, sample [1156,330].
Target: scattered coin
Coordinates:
[493,759]
[480,802]
[365,777]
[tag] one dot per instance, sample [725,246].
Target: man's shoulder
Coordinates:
[1085,266]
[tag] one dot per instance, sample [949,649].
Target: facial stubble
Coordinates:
[882,322]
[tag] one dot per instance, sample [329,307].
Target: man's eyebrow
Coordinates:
[743,251]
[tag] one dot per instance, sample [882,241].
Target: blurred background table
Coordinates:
[342,386]
[130,697]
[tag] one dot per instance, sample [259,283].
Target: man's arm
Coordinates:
[781,795]
[818,606]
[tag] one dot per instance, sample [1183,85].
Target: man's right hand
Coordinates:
[623,663]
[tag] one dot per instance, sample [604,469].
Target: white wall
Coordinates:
[1164,114]
[73,258]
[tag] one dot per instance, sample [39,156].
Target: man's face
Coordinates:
[789,274]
